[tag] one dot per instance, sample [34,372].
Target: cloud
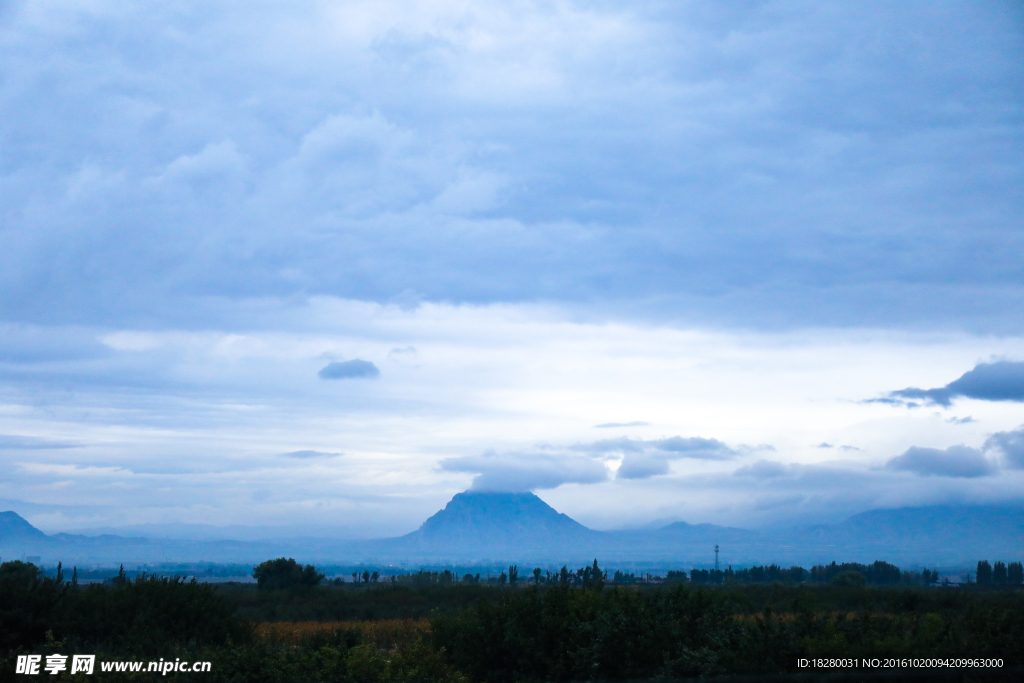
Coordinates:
[623,444]
[648,458]
[695,447]
[526,471]
[15,442]
[747,449]
[762,469]
[642,466]
[955,461]
[349,369]
[999,381]
[306,455]
[790,128]
[611,425]
[892,402]
[1011,445]
[824,444]
[960,420]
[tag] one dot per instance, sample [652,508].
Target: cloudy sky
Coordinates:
[329,263]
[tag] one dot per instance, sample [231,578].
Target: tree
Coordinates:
[19,571]
[121,579]
[999,574]
[366,576]
[536,576]
[284,573]
[513,575]
[1015,573]
[984,576]
[502,579]
[592,577]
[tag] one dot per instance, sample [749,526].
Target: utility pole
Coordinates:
[716,557]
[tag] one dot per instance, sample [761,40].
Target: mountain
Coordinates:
[711,533]
[945,534]
[19,538]
[491,528]
[495,527]
[489,518]
[14,528]
[484,525]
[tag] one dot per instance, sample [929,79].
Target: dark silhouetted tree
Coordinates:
[999,574]
[122,578]
[1015,574]
[513,574]
[592,577]
[284,573]
[536,576]
[984,575]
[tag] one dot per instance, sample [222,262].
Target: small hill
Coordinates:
[13,527]
[707,532]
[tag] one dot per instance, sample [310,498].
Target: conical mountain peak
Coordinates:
[487,518]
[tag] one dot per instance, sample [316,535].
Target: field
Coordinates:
[418,631]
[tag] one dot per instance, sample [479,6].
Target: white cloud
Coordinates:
[955,461]
[526,471]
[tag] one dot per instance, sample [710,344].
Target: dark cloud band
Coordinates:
[1000,381]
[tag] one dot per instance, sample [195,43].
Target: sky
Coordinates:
[323,265]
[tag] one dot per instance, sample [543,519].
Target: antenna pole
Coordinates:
[716,557]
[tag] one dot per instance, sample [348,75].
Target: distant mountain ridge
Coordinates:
[488,528]
[14,527]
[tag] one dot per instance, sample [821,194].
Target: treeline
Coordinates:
[584,576]
[848,573]
[682,631]
[999,575]
[557,629]
[145,618]
[879,573]
[139,616]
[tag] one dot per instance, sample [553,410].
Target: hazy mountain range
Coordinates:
[490,528]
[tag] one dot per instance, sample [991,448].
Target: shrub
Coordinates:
[285,573]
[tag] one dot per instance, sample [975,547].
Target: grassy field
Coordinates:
[385,634]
